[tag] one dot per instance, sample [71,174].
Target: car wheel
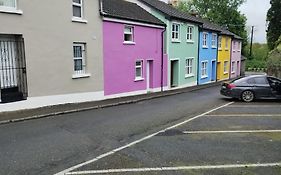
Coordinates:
[248,96]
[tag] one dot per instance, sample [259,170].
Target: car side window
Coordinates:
[260,80]
[251,81]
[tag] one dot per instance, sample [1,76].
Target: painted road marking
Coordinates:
[175,168]
[225,132]
[138,141]
[254,106]
[243,115]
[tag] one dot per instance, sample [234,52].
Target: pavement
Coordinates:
[58,109]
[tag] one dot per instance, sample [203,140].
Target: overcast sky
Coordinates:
[255,11]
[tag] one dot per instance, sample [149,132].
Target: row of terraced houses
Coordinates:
[86,50]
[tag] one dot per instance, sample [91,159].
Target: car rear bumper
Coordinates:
[229,93]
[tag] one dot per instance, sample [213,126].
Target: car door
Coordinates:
[275,85]
[262,87]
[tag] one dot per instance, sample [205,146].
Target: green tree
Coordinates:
[274,60]
[274,25]
[222,12]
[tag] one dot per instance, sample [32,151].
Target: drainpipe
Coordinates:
[198,51]
[217,59]
[162,57]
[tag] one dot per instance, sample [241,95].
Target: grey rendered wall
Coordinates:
[48,31]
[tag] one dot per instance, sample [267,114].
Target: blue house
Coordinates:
[208,52]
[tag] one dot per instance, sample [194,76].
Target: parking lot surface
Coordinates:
[236,138]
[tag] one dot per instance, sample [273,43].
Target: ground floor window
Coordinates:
[79,58]
[204,69]
[233,67]
[225,67]
[139,70]
[188,67]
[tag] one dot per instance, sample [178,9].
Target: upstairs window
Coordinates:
[239,46]
[77,6]
[205,40]
[220,42]
[129,34]
[214,40]
[189,36]
[234,46]
[226,43]
[175,32]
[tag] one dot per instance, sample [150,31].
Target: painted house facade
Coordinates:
[224,55]
[181,42]
[53,52]
[208,52]
[134,62]
[235,70]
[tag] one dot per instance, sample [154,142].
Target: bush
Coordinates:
[274,61]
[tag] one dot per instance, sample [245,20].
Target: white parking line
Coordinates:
[244,115]
[138,141]
[175,168]
[254,106]
[225,132]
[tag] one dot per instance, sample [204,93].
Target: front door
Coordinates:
[219,71]
[13,85]
[149,75]
[174,73]
[213,71]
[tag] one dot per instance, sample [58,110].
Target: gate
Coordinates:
[13,80]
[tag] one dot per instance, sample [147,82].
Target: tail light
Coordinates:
[231,86]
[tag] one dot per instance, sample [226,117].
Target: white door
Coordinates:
[8,72]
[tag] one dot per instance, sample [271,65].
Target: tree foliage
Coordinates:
[274,60]
[222,12]
[274,25]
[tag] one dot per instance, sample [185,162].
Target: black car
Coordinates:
[253,87]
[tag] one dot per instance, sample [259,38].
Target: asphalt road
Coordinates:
[50,145]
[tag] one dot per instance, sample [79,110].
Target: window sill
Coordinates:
[232,72]
[205,76]
[189,75]
[79,20]
[226,49]
[176,41]
[214,47]
[205,47]
[11,11]
[80,76]
[129,43]
[139,79]
[220,49]
[225,73]
[190,41]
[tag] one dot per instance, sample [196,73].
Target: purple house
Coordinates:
[236,56]
[134,62]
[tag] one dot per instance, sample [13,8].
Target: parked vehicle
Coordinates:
[253,87]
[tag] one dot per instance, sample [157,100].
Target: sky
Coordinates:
[255,11]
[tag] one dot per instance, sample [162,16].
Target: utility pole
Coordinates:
[252,36]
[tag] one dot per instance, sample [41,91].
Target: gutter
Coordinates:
[162,59]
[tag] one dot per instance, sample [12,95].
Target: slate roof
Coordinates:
[208,25]
[226,32]
[128,11]
[170,11]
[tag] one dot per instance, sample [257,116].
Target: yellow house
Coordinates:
[224,54]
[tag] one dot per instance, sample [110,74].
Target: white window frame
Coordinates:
[233,67]
[9,9]
[76,18]
[189,62]
[220,43]
[225,67]
[205,40]
[226,43]
[176,32]
[189,34]
[214,40]
[204,70]
[129,33]
[139,78]
[239,46]
[234,46]
[80,73]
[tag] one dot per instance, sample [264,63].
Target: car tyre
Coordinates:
[248,96]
